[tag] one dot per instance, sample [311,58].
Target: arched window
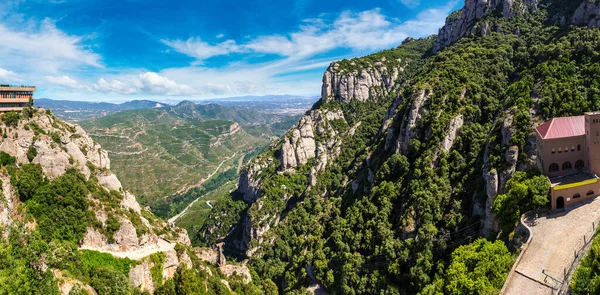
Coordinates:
[578,147]
[567,166]
[579,164]
[553,151]
[589,193]
[575,196]
[560,150]
[553,167]
[572,148]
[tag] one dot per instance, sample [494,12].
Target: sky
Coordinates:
[121,50]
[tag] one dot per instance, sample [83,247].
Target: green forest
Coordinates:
[412,228]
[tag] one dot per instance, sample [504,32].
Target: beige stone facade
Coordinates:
[568,152]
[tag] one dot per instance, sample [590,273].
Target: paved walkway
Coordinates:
[555,238]
[161,246]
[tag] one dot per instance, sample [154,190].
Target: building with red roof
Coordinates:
[568,151]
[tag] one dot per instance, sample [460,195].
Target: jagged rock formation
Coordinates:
[358,84]
[587,14]
[465,21]
[417,110]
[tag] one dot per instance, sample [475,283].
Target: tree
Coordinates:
[478,268]
[523,192]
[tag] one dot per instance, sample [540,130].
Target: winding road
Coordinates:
[174,218]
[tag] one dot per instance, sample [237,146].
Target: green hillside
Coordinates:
[158,153]
[419,197]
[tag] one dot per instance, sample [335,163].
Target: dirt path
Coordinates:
[162,246]
[174,218]
[555,239]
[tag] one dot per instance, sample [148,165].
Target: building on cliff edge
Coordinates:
[15,98]
[569,154]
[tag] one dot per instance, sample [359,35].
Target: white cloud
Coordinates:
[115,86]
[66,82]
[201,50]
[10,76]
[44,48]
[154,83]
[219,36]
[367,30]
[411,3]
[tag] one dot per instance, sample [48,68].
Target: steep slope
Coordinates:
[404,157]
[68,225]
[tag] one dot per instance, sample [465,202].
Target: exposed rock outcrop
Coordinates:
[587,14]
[466,21]
[491,191]
[140,277]
[358,84]
[417,110]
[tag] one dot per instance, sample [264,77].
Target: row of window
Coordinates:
[575,196]
[560,150]
[566,166]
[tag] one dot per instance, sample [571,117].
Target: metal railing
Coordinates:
[16,86]
[578,253]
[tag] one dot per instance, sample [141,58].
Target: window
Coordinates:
[560,150]
[575,196]
[579,164]
[554,151]
[567,166]
[553,167]
[572,148]
[589,193]
[578,147]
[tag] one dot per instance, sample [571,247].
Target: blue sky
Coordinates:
[119,50]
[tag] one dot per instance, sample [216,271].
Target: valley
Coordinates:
[179,148]
[464,162]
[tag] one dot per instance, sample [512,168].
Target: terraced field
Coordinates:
[158,154]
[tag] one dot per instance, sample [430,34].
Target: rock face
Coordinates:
[357,84]
[297,148]
[451,133]
[465,21]
[140,277]
[301,146]
[417,110]
[491,191]
[587,14]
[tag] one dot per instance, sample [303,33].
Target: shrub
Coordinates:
[11,119]
[31,153]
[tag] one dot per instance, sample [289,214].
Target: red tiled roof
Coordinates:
[562,127]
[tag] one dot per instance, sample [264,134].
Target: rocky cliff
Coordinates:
[353,82]
[466,21]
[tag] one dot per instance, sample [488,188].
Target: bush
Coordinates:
[109,282]
[11,119]
[31,153]
[6,159]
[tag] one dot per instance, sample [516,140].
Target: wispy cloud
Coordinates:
[411,3]
[44,48]
[367,30]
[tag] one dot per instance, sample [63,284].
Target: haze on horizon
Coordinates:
[124,50]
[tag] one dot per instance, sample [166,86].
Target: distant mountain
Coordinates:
[272,104]
[80,110]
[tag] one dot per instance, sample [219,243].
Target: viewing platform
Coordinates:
[14,97]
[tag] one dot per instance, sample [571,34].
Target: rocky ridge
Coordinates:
[466,21]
